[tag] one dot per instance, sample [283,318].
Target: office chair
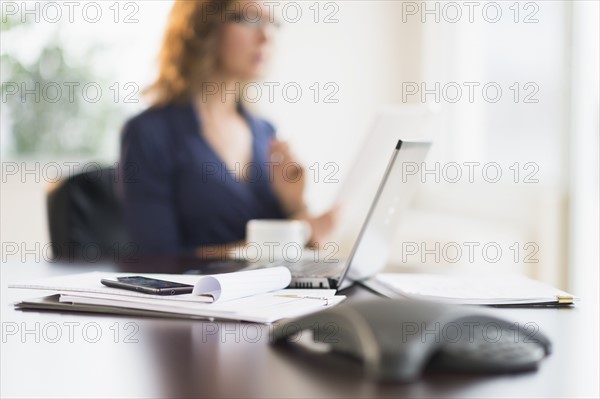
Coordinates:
[85,220]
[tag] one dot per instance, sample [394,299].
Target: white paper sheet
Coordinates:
[471,289]
[224,287]
[261,308]
[221,287]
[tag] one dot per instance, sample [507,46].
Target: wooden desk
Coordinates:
[83,355]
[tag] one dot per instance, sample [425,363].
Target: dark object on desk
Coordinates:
[149,285]
[84,218]
[398,339]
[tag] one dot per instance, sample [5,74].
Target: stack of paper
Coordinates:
[256,296]
[469,289]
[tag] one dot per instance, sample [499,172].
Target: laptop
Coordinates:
[368,162]
[370,252]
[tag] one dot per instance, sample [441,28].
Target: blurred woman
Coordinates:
[197,165]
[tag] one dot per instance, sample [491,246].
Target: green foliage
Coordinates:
[49,114]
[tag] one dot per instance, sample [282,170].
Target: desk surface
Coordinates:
[49,354]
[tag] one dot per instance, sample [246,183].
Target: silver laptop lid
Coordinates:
[398,186]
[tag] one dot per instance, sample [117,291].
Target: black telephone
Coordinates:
[397,339]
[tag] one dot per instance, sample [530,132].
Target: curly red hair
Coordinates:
[189,51]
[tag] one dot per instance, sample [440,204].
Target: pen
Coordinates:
[304,297]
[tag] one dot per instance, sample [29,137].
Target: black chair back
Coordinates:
[85,219]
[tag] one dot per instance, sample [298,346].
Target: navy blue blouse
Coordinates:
[177,192]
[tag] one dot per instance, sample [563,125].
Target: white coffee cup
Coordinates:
[276,239]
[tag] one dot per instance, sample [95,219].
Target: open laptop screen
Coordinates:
[396,190]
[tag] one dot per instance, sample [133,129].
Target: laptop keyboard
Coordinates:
[301,268]
[310,268]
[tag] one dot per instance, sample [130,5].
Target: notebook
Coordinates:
[469,289]
[257,296]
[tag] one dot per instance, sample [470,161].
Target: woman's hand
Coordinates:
[322,226]
[288,183]
[288,178]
